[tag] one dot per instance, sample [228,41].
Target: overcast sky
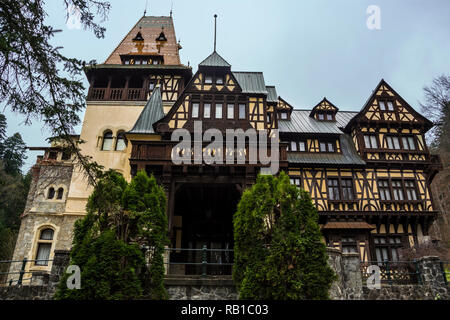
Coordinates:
[307,49]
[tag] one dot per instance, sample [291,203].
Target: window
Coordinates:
[66,155]
[218,111]
[230,111]
[329,117]
[208,79]
[53,155]
[386,248]
[60,193]
[371,141]
[293,146]
[333,189]
[390,106]
[219,80]
[349,245]
[320,116]
[410,188]
[207,110]
[386,105]
[51,193]
[302,146]
[347,189]
[195,107]
[326,146]
[121,143]
[330,146]
[408,143]
[397,190]
[296,182]
[107,141]
[384,191]
[283,115]
[340,190]
[151,86]
[392,142]
[241,111]
[44,247]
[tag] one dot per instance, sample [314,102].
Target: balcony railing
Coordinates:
[117,94]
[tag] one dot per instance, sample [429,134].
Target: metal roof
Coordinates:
[214,60]
[272,95]
[152,112]
[349,155]
[251,82]
[301,122]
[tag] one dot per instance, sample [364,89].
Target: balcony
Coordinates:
[117,94]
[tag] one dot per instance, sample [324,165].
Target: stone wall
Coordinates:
[42,285]
[349,285]
[198,288]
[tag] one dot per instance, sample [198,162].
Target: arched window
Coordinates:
[44,247]
[51,193]
[60,194]
[121,143]
[107,141]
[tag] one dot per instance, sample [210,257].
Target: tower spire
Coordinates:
[146,5]
[215,31]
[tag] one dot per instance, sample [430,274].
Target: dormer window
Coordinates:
[283,115]
[324,111]
[327,146]
[208,79]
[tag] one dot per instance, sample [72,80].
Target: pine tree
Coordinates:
[108,243]
[278,250]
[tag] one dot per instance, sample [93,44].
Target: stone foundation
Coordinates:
[198,288]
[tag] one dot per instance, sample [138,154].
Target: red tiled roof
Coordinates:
[150,28]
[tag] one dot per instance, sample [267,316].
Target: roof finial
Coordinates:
[215,31]
[171,9]
[146,5]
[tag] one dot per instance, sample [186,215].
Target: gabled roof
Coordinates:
[214,60]
[324,102]
[301,122]
[152,112]
[427,122]
[142,40]
[271,94]
[251,82]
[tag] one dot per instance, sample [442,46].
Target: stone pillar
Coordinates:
[335,262]
[351,267]
[61,260]
[348,286]
[431,276]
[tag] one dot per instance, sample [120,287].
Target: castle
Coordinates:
[368,172]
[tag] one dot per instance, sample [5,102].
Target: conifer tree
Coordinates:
[278,250]
[122,220]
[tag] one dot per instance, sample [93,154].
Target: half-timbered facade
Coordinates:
[368,172]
